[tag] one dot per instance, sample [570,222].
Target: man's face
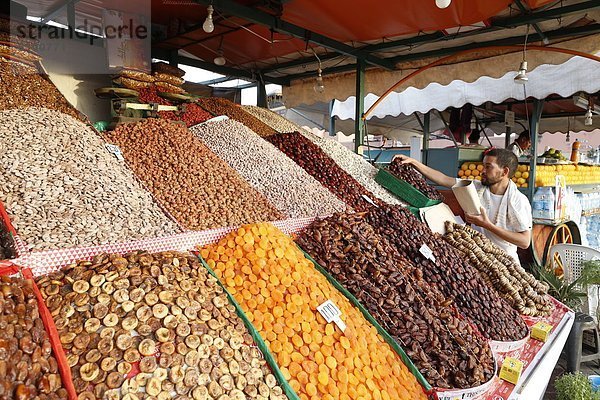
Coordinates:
[525,143]
[492,173]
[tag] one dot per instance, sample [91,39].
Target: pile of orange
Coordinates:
[280,290]
[470,171]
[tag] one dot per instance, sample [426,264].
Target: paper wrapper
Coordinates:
[467,196]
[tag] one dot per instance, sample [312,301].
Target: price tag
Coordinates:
[427,252]
[331,313]
[115,150]
[368,199]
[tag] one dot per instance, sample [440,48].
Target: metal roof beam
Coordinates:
[516,40]
[529,18]
[556,34]
[299,62]
[540,16]
[223,70]
[218,80]
[537,28]
[404,42]
[56,10]
[278,25]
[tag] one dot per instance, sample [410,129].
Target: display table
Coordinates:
[539,359]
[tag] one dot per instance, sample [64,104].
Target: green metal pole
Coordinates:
[426,131]
[359,127]
[538,106]
[173,58]
[508,131]
[261,94]
[331,119]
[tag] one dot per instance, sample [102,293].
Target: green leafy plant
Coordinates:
[570,294]
[574,387]
[590,273]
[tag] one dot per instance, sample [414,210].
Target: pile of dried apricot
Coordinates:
[280,290]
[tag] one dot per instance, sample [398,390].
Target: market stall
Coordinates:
[199,249]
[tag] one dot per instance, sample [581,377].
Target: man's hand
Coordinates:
[405,159]
[481,220]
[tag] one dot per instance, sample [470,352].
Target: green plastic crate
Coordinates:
[404,190]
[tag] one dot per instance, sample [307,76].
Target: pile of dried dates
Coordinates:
[322,167]
[145,326]
[442,345]
[450,272]
[410,175]
[28,369]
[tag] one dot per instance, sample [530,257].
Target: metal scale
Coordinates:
[126,108]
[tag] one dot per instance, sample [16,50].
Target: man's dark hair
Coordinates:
[524,135]
[505,158]
[474,136]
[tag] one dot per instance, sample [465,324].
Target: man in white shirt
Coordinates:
[505,216]
[520,146]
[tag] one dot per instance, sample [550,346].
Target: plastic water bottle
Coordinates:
[543,203]
[549,203]
[537,203]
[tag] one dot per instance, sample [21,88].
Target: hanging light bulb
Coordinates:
[319,85]
[219,59]
[521,76]
[568,137]
[442,3]
[208,24]
[588,117]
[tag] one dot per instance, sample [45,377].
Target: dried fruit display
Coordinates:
[220,106]
[413,177]
[518,287]
[7,245]
[274,120]
[290,188]
[194,114]
[62,188]
[22,89]
[280,290]
[200,190]
[152,325]
[318,164]
[352,163]
[450,272]
[441,343]
[28,368]
[150,95]
[164,68]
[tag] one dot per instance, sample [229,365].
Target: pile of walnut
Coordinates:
[28,368]
[152,326]
[522,291]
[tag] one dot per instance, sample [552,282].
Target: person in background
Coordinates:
[520,146]
[505,217]
[474,138]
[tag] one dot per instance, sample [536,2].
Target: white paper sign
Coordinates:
[427,252]
[115,150]
[332,313]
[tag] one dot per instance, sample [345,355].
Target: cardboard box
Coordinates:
[541,331]
[511,370]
